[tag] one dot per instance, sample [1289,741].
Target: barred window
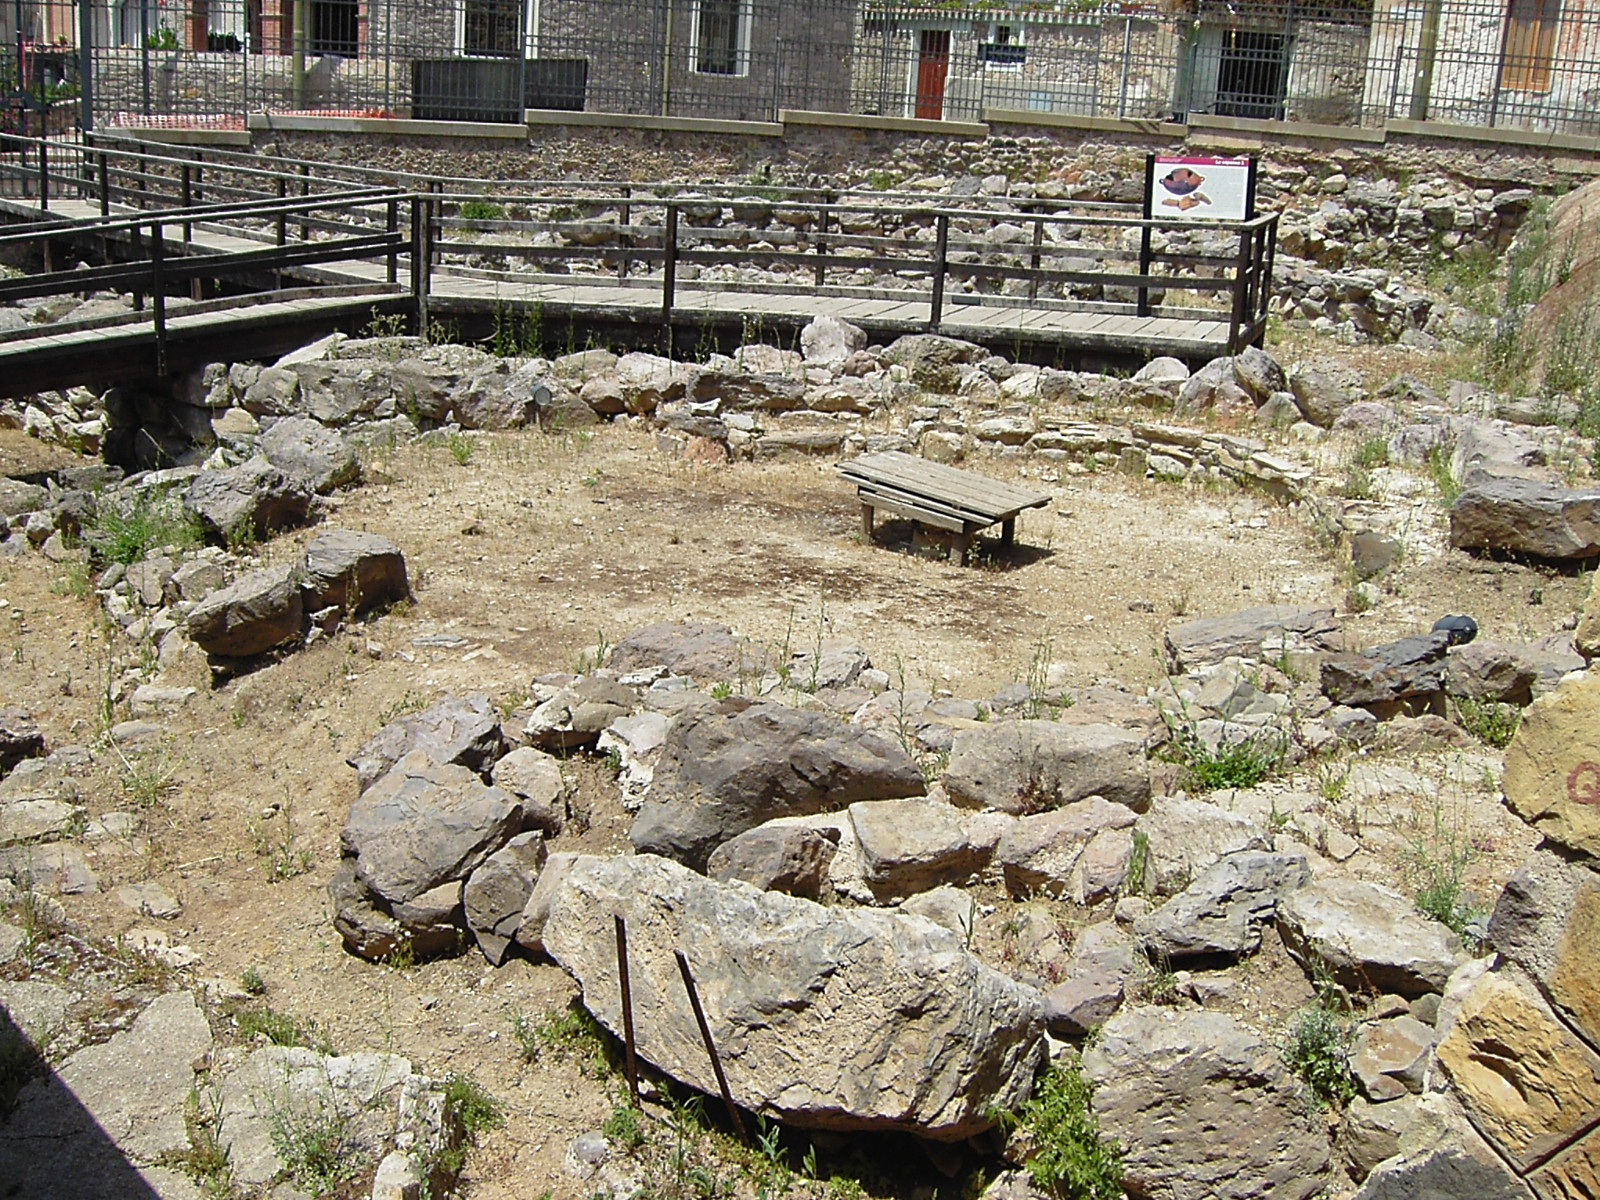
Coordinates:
[492,28]
[722,37]
[1530,44]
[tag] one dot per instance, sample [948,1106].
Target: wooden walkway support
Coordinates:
[943,497]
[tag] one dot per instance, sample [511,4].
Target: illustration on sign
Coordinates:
[1214,189]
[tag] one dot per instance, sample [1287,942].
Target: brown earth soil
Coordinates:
[539,547]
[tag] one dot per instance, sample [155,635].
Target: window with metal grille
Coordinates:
[335,28]
[1002,51]
[1531,27]
[721,37]
[491,28]
[1251,75]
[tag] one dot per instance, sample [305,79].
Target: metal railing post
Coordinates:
[669,264]
[158,297]
[1033,262]
[420,253]
[44,172]
[941,254]
[105,184]
[282,222]
[1241,286]
[185,197]
[392,262]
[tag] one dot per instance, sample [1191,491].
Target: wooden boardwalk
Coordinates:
[61,355]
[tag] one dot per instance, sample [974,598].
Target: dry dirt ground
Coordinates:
[536,549]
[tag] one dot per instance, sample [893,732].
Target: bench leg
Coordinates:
[867,514]
[1008,531]
[962,548]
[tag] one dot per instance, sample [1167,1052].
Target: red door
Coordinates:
[933,64]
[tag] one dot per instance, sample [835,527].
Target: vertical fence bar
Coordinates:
[420,252]
[1241,287]
[627,1009]
[282,222]
[105,184]
[44,169]
[392,225]
[186,197]
[829,198]
[158,297]
[1145,234]
[1034,259]
[625,239]
[941,257]
[669,264]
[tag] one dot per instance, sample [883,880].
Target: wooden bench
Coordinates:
[936,495]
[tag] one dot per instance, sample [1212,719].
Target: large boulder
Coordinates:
[1412,666]
[1268,632]
[1552,774]
[310,454]
[778,858]
[259,611]
[1547,921]
[460,730]
[1055,853]
[1529,1083]
[1221,913]
[1028,766]
[933,361]
[255,498]
[1527,516]
[702,650]
[425,824]
[354,571]
[827,341]
[911,846]
[20,738]
[832,1018]
[1185,835]
[1367,936]
[729,768]
[1204,1109]
[1323,390]
[498,891]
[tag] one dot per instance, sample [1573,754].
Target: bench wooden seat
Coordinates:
[936,495]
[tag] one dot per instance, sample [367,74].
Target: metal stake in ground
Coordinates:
[711,1049]
[627,1009]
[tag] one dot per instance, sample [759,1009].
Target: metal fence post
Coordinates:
[1241,287]
[44,170]
[392,225]
[420,252]
[941,255]
[669,264]
[158,298]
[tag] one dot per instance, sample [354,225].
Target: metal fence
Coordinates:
[1519,63]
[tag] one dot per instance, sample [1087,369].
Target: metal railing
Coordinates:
[1037,254]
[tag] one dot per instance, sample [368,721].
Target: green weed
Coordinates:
[126,529]
[461,447]
[1491,722]
[316,1148]
[1071,1158]
[1318,1050]
[1437,860]
[1374,452]
[1441,469]
[1232,763]
[481,210]
[571,1034]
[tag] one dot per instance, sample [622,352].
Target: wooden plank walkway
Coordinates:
[601,299]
